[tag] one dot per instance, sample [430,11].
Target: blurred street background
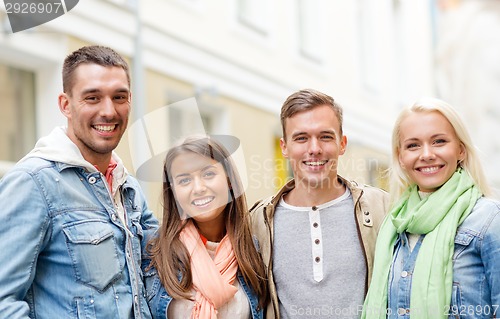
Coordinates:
[240,59]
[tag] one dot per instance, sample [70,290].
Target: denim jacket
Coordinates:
[476,268]
[65,253]
[159,299]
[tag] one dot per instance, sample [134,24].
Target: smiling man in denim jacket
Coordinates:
[73,223]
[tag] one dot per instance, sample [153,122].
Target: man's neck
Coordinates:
[100,162]
[304,196]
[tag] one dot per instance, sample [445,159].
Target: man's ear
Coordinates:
[284,150]
[343,144]
[63,102]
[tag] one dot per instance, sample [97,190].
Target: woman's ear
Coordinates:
[463,154]
[401,163]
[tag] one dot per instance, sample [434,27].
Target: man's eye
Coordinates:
[91,99]
[121,98]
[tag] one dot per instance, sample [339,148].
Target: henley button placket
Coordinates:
[316,243]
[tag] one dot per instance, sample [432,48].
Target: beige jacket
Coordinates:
[371,205]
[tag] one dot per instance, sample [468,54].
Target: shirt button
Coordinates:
[116,297]
[314,208]
[402,311]
[136,299]
[92,179]
[316,241]
[367,220]
[113,217]
[367,213]
[404,274]
[91,301]
[317,259]
[315,225]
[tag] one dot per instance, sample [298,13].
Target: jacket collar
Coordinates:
[58,148]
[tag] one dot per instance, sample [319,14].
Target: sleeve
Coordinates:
[149,224]
[23,226]
[490,255]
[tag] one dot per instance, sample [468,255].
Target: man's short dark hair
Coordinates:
[94,54]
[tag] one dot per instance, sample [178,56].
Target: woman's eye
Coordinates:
[209,174]
[440,141]
[411,146]
[183,181]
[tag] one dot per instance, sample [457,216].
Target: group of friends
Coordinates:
[78,240]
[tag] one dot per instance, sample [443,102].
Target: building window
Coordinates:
[185,120]
[368,46]
[254,14]
[18,124]
[126,3]
[282,170]
[309,15]
[378,174]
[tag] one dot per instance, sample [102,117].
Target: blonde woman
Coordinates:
[438,251]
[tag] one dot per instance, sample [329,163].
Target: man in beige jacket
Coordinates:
[317,234]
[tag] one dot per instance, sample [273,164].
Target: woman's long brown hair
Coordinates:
[169,255]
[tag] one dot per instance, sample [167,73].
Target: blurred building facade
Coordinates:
[240,59]
[468,72]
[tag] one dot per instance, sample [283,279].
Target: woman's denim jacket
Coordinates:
[159,299]
[476,268]
[65,253]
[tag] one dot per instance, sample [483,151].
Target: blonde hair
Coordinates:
[399,180]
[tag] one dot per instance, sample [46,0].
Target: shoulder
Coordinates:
[32,165]
[30,172]
[485,216]
[259,205]
[369,194]
[257,213]
[273,200]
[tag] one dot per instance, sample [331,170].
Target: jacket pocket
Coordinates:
[463,239]
[151,280]
[93,252]
[456,310]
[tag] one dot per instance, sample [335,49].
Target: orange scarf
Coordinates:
[212,279]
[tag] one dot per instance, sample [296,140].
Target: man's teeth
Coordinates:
[105,128]
[317,163]
[204,201]
[429,169]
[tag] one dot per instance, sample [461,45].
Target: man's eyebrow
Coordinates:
[97,90]
[298,133]
[332,132]
[89,91]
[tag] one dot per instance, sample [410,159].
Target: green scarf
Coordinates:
[438,216]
